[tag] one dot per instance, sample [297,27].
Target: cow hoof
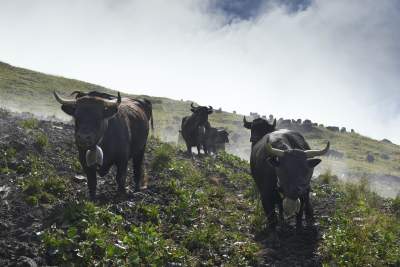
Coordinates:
[143,187]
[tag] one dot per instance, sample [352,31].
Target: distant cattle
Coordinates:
[215,140]
[282,165]
[193,127]
[109,131]
[370,158]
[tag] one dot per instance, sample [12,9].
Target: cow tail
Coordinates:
[150,105]
[151,120]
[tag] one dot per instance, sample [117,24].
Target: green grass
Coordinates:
[361,232]
[40,185]
[30,124]
[197,223]
[95,236]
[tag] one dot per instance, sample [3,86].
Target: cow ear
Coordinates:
[69,109]
[109,112]
[312,163]
[274,124]
[210,111]
[192,110]
[274,161]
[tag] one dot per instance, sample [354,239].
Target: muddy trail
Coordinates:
[30,148]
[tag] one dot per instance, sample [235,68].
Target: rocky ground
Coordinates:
[26,144]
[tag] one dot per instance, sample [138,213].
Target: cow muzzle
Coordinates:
[86,141]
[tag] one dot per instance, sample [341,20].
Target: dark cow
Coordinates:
[215,140]
[282,165]
[112,131]
[193,127]
[145,103]
[259,127]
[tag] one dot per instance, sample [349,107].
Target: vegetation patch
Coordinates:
[92,235]
[41,184]
[361,232]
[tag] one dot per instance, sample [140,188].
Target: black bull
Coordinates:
[119,127]
[193,127]
[282,165]
[145,103]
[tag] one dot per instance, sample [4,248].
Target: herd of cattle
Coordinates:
[110,130]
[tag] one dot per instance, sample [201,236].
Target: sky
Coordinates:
[334,62]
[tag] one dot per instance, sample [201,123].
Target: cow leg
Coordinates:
[189,149]
[138,171]
[121,176]
[299,215]
[198,149]
[92,182]
[206,150]
[90,175]
[280,207]
[309,210]
[269,209]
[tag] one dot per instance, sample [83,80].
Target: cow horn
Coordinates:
[246,124]
[316,153]
[274,151]
[111,104]
[78,94]
[192,106]
[63,101]
[210,108]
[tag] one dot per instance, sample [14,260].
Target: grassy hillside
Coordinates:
[29,91]
[196,212]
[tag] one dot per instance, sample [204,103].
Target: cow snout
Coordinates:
[85,139]
[301,190]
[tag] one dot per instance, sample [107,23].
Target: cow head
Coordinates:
[259,127]
[201,113]
[294,168]
[91,115]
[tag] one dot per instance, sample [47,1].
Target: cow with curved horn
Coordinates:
[282,165]
[145,103]
[109,131]
[193,127]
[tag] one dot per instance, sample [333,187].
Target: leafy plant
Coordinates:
[30,124]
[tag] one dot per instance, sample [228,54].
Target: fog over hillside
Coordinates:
[335,62]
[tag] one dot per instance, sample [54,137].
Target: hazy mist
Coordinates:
[335,62]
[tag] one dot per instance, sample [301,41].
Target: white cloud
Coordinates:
[336,62]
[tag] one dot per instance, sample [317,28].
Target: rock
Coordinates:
[387,141]
[333,128]
[343,130]
[79,178]
[24,261]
